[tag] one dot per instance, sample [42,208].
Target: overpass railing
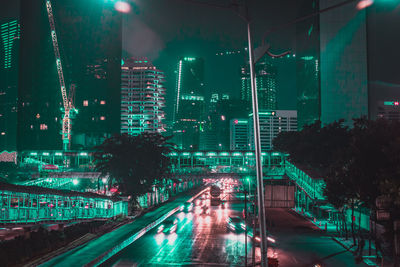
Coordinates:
[30,204]
[313,187]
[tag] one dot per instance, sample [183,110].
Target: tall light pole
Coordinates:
[257,147]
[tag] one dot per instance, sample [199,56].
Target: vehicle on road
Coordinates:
[271,241]
[187,207]
[168,226]
[235,223]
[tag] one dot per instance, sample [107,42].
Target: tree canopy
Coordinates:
[361,162]
[135,163]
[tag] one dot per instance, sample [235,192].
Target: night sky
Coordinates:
[163,30]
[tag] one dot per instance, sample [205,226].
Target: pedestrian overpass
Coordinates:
[63,170]
[60,168]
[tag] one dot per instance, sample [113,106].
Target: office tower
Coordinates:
[238,134]
[190,103]
[343,62]
[266,84]
[9,50]
[389,110]
[89,36]
[272,122]
[307,64]
[142,97]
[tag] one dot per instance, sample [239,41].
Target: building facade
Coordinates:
[272,122]
[142,97]
[9,52]
[239,134]
[266,75]
[308,64]
[389,110]
[343,62]
[190,102]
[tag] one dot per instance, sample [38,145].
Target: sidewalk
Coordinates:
[99,250]
[331,230]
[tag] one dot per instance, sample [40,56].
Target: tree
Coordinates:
[136,163]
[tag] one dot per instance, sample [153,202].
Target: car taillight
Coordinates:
[270,239]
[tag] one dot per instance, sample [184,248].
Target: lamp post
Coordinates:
[257,147]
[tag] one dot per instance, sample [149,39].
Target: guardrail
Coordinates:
[30,205]
[313,187]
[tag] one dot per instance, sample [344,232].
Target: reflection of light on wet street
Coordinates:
[189,216]
[171,238]
[181,216]
[159,238]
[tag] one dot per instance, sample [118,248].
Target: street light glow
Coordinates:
[122,7]
[364,4]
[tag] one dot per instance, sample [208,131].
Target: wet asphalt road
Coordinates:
[200,240]
[203,240]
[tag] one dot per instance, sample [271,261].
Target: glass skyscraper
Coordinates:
[266,84]
[9,52]
[190,102]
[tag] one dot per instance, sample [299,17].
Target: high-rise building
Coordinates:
[343,62]
[239,134]
[190,101]
[89,35]
[307,64]
[272,122]
[266,85]
[389,110]
[9,52]
[142,97]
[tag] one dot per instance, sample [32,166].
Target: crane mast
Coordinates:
[67,103]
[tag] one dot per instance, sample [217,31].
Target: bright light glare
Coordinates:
[181,216]
[159,238]
[364,4]
[75,181]
[171,238]
[122,7]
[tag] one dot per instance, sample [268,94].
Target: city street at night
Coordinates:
[200,133]
[204,240]
[200,240]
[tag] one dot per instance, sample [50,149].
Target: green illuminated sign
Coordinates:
[391,103]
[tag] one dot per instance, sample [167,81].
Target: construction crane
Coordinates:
[68,101]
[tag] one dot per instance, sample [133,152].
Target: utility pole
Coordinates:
[245,226]
[257,145]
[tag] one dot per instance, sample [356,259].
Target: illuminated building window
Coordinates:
[3,133]
[102,118]
[43,127]
[9,32]
[85,103]
[102,102]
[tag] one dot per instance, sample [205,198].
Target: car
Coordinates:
[168,226]
[235,223]
[187,207]
[205,210]
[271,241]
